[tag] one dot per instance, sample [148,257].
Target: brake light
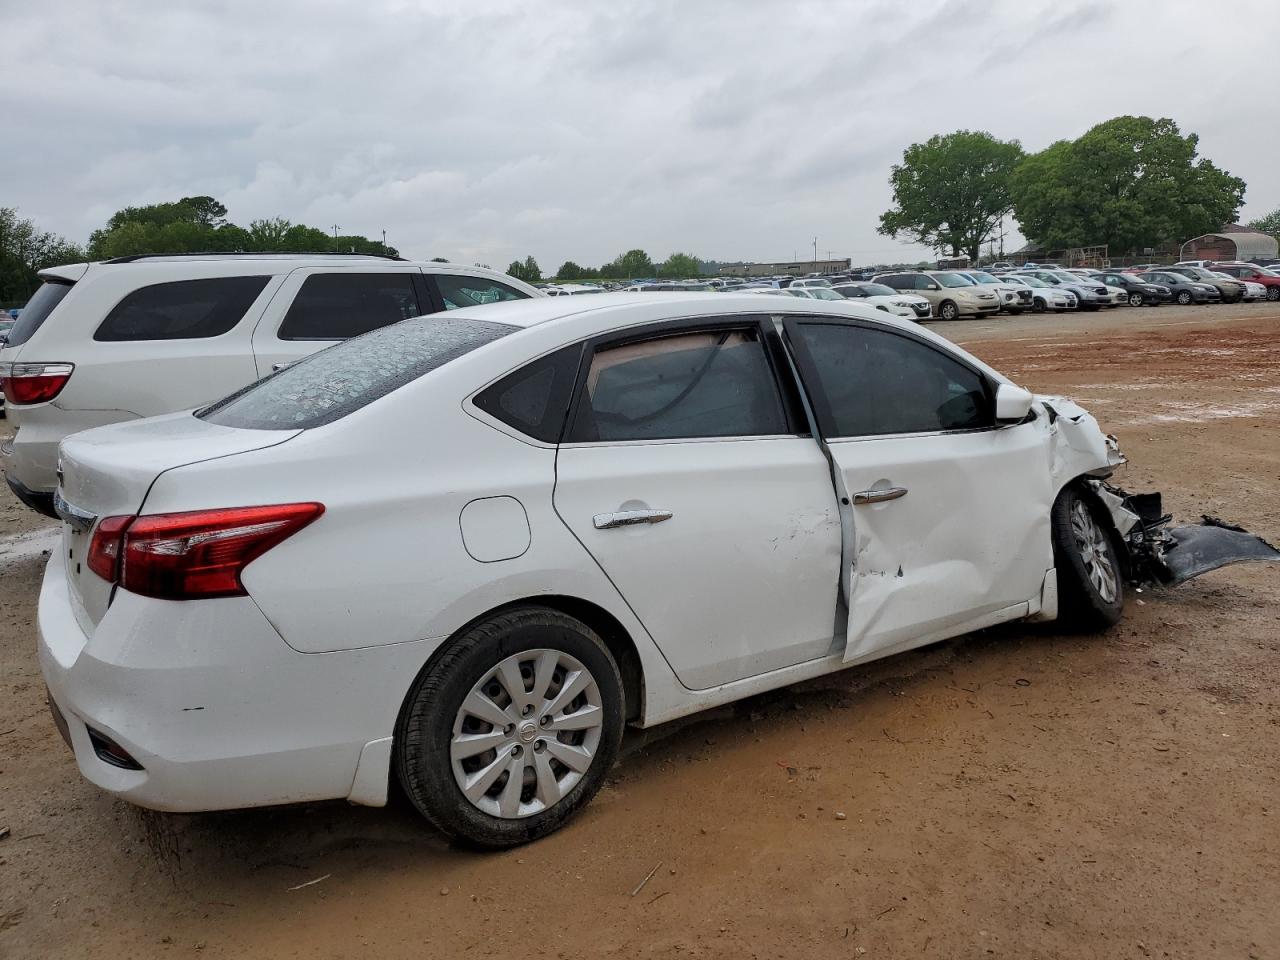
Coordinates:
[28,383]
[200,554]
[104,548]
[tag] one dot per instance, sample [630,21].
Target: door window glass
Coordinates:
[875,382]
[716,383]
[338,306]
[459,291]
[182,310]
[535,398]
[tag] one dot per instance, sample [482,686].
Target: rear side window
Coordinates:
[874,382]
[716,383]
[182,310]
[328,385]
[458,291]
[38,309]
[535,399]
[338,306]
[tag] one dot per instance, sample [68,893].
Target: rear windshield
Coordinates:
[37,309]
[328,385]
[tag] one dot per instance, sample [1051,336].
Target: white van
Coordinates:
[139,336]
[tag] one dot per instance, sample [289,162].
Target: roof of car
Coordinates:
[529,313]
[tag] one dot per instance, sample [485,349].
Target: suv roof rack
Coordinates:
[131,258]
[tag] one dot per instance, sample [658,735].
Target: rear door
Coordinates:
[688,475]
[950,514]
[317,307]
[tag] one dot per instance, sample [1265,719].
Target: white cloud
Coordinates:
[484,131]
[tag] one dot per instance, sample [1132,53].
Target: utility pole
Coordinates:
[815,254]
[335,238]
[384,241]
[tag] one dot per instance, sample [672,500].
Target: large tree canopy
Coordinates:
[26,249]
[951,191]
[1130,183]
[198,224]
[1269,224]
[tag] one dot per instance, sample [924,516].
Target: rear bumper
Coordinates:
[31,458]
[217,710]
[39,502]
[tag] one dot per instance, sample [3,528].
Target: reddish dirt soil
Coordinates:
[1017,793]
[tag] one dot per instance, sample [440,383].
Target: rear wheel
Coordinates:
[1090,587]
[513,730]
[948,311]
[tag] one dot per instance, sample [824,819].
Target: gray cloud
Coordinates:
[483,131]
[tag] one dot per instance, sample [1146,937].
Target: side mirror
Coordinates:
[1012,403]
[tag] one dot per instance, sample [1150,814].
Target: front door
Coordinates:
[950,514]
[689,476]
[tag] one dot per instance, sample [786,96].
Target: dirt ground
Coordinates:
[1015,793]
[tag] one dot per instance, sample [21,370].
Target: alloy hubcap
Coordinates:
[526,733]
[1095,552]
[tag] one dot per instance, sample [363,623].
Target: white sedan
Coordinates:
[897,302]
[462,552]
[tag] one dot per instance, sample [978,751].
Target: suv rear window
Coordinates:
[38,309]
[328,385]
[181,310]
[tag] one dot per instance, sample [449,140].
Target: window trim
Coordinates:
[775,356]
[818,402]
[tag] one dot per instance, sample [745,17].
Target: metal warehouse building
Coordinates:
[795,268]
[1233,243]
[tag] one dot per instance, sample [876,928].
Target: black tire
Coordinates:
[1273,294]
[425,728]
[1038,305]
[1184,298]
[948,311]
[1081,605]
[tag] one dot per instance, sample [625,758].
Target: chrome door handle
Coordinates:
[879,496]
[628,518]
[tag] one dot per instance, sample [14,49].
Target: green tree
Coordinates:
[629,265]
[569,271]
[1129,183]
[206,210]
[25,249]
[268,234]
[532,272]
[950,192]
[679,265]
[1269,224]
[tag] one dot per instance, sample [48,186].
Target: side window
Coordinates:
[897,282]
[875,382]
[716,383]
[535,398]
[338,306]
[182,310]
[458,291]
[919,282]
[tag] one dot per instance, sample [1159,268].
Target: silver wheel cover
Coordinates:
[1091,543]
[526,733]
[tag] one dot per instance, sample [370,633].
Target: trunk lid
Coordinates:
[108,471]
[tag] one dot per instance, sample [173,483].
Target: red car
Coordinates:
[1254,274]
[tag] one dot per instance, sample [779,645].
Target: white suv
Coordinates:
[139,336]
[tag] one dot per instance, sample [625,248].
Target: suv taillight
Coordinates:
[195,555]
[28,383]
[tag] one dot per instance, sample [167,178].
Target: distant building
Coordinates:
[1233,242]
[795,268]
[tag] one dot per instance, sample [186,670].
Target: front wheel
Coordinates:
[948,311]
[1273,294]
[1135,299]
[1090,587]
[1038,305]
[513,730]
[1184,298]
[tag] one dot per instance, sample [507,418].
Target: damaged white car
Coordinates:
[460,553]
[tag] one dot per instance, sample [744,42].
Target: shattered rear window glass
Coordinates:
[332,383]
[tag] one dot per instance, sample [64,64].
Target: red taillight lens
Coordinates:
[188,556]
[28,383]
[104,548]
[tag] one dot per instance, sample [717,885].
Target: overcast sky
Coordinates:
[484,131]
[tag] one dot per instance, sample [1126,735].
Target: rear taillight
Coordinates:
[195,555]
[28,383]
[104,548]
